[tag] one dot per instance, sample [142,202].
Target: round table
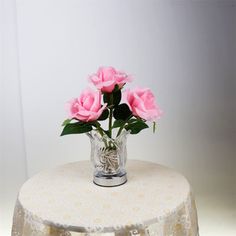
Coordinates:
[156,201]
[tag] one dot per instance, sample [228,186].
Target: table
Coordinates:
[156,201]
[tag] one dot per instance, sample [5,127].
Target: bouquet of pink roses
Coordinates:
[129,110]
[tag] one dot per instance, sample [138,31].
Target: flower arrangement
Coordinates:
[130,109]
[127,111]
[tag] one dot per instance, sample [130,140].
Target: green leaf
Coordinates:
[132,120]
[154,127]
[106,98]
[113,98]
[65,122]
[136,127]
[118,123]
[122,112]
[76,128]
[116,97]
[116,88]
[104,115]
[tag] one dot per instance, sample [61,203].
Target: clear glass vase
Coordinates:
[108,156]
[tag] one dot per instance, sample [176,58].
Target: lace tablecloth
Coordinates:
[156,201]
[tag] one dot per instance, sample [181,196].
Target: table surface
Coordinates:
[67,196]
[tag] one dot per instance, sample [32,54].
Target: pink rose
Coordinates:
[107,77]
[87,107]
[142,104]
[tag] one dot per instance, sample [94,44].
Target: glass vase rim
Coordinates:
[91,134]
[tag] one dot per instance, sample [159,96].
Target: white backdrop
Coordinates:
[184,50]
[12,150]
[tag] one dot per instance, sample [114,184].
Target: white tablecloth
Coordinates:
[156,201]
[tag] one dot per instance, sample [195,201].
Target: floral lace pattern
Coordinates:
[179,221]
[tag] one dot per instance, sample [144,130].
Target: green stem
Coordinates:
[110,115]
[122,127]
[101,132]
[110,123]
